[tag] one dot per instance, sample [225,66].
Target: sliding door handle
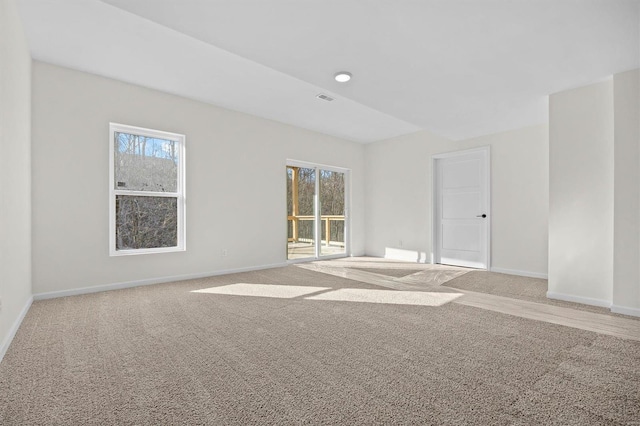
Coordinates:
[482,215]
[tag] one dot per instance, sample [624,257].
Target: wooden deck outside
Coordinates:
[302,250]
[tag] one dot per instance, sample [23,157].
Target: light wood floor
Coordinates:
[431,278]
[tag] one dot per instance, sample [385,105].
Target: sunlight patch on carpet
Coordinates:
[262,290]
[421,298]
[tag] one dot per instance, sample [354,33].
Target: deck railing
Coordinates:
[326,219]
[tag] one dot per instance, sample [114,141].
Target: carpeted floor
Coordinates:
[165,355]
[396,273]
[517,287]
[403,272]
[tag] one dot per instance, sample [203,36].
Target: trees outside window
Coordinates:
[147,202]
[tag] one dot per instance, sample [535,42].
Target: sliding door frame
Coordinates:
[317,230]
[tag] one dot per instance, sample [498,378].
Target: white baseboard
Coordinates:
[138,283]
[14,329]
[579,299]
[617,309]
[520,273]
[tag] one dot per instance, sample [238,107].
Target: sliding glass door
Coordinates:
[317,220]
[301,220]
[332,212]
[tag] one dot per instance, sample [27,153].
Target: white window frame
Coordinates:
[316,210]
[179,194]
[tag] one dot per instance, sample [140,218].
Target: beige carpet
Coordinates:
[396,273]
[166,355]
[421,274]
[516,287]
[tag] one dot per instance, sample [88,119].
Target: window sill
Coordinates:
[116,253]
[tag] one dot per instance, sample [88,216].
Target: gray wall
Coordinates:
[626,259]
[235,176]
[15,171]
[399,197]
[594,218]
[581,193]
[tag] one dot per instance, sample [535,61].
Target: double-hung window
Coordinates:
[146,191]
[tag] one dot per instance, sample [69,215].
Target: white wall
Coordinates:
[626,260]
[399,207]
[581,172]
[236,183]
[15,172]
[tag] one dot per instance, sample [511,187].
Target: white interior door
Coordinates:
[461,213]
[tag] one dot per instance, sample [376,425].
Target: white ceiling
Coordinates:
[458,68]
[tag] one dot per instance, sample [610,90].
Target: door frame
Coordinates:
[435,247]
[317,231]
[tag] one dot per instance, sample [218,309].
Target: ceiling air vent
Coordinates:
[324,97]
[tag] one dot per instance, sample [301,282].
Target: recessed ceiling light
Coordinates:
[342,76]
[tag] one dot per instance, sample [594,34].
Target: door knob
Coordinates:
[482,215]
